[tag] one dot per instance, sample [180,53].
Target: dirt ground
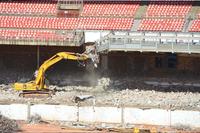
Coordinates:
[49,128]
[56,128]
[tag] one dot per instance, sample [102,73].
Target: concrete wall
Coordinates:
[100,114]
[15,111]
[55,112]
[92,114]
[150,116]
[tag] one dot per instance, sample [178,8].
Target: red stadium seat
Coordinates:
[161,25]
[38,22]
[195,27]
[29,7]
[66,23]
[168,9]
[105,23]
[126,9]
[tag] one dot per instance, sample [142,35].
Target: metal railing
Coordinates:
[151,42]
[76,40]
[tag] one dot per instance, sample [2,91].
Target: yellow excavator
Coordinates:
[38,86]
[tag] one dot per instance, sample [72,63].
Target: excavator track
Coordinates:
[37,94]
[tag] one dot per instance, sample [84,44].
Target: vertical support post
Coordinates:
[160,38]
[109,43]
[38,56]
[141,45]
[124,41]
[100,37]
[192,38]
[104,62]
[189,48]
[77,113]
[156,47]
[122,116]
[170,116]
[28,111]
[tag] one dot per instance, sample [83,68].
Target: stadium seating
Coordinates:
[102,15]
[38,22]
[195,27]
[168,9]
[126,9]
[29,7]
[33,35]
[66,23]
[105,23]
[161,25]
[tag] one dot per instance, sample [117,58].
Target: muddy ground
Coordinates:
[144,92]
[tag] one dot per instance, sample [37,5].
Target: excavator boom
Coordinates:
[39,83]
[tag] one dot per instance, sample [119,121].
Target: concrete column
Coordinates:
[104,62]
[38,57]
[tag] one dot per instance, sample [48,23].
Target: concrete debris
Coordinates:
[79,125]
[35,119]
[7,125]
[182,127]
[82,98]
[134,92]
[104,82]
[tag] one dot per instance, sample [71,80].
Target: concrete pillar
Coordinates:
[38,57]
[104,62]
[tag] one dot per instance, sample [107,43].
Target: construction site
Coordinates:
[99,66]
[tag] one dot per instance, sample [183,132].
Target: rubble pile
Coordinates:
[134,92]
[7,125]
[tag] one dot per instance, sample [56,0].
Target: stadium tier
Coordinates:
[29,7]
[66,23]
[99,15]
[125,9]
[168,9]
[161,25]
[38,22]
[34,35]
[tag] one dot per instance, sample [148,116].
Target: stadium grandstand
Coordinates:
[158,33]
[143,75]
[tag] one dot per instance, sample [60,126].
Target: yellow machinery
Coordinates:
[38,85]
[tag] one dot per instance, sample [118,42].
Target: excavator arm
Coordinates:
[38,84]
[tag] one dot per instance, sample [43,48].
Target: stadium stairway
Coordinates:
[186,25]
[193,15]
[139,14]
[136,25]
[141,11]
[194,11]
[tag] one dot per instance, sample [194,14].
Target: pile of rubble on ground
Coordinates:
[135,92]
[7,125]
